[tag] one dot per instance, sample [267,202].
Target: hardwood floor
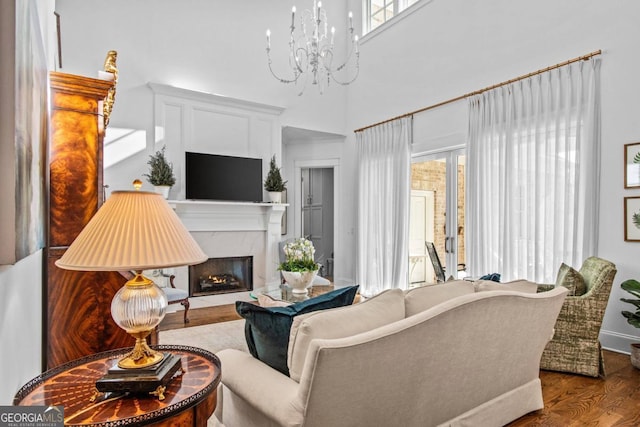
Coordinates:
[570,400]
[199,316]
[576,400]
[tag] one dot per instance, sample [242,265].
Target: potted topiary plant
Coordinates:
[633,318]
[274,183]
[160,173]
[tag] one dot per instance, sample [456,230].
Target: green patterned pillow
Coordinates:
[572,280]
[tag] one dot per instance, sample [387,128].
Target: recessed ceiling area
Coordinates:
[295,135]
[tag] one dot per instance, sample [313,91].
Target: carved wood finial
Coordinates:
[110,67]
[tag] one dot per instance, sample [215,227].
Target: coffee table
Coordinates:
[284,292]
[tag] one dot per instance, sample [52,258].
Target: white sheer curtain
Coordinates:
[384,175]
[533,174]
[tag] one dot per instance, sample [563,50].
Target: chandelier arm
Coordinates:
[312,53]
[327,55]
[293,57]
[297,57]
[349,56]
[322,31]
[354,46]
[348,82]
[295,79]
[304,85]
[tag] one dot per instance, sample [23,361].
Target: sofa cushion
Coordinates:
[424,297]
[571,279]
[267,328]
[515,285]
[384,308]
[268,301]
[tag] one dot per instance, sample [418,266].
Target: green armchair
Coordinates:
[575,346]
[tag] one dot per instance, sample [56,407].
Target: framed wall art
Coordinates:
[632,165]
[632,219]
[31,134]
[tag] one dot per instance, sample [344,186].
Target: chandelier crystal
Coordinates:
[311,51]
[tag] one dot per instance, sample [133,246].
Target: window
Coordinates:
[380,11]
[532,193]
[437,215]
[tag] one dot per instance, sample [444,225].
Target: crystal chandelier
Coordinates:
[311,51]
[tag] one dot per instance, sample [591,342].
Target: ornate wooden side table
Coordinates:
[189,399]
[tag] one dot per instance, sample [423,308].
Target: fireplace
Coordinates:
[221,275]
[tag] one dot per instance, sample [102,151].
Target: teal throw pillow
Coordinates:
[571,279]
[267,328]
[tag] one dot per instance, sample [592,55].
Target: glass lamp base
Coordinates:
[138,307]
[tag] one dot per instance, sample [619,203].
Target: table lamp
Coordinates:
[134,231]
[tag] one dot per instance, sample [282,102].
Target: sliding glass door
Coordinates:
[437,216]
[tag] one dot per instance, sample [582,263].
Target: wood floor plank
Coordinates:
[576,400]
[199,316]
[570,400]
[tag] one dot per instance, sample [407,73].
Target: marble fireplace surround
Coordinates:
[192,121]
[226,229]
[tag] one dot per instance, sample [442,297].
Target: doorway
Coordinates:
[317,196]
[421,230]
[437,213]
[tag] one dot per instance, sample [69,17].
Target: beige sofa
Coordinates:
[442,355]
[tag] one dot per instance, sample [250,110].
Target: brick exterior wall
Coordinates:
[431,176]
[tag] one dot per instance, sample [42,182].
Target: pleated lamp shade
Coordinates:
[133,230]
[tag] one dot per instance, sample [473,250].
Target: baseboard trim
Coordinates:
[617,342]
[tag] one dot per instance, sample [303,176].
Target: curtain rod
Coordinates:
[477,92]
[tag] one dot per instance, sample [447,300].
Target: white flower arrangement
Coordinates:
[299,256]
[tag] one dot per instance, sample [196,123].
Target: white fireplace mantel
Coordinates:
[199,215]
[206,216]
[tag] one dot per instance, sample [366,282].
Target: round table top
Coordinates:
[72,385]
[285,293]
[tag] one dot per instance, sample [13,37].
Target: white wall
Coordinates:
[202,45]
[449,48]
[445,49]
[21,308]
[20,325]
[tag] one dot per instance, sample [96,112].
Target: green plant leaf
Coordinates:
[274,181]
[632,301]
[636,219]
[636,158]
[632,286]
[160,170]
[298,265]
[632,318]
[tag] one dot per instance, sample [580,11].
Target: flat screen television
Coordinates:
[216,177]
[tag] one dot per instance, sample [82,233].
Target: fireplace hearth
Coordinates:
[221,275]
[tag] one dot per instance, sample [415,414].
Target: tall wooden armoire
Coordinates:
[79,319]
